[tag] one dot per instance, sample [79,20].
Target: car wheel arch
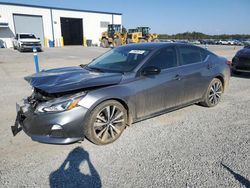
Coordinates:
[122,102]
[221,78]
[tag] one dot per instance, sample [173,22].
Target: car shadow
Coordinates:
[238,177]
[69,173]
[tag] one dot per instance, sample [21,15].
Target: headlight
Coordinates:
[59,105]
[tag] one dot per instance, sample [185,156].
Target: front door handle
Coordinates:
[177,77]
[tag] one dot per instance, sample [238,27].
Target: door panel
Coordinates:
[158,92]
[194,74]
[194,81]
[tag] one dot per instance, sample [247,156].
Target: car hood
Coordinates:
[29,40]
[71,78]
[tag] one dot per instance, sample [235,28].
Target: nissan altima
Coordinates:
[125,85]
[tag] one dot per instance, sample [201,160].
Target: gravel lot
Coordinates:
[191,147]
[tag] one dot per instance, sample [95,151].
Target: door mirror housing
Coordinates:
[151,70]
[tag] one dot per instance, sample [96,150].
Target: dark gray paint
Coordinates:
[143,96]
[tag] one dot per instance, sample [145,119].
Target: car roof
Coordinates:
[153,45]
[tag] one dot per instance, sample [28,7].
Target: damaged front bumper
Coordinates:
[54,128]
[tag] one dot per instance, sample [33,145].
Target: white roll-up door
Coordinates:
[29,24]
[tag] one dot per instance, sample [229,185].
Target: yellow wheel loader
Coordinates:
[146,36]
[115,36]
[133,36]
[141,34]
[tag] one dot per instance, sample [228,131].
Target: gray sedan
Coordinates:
[125,85]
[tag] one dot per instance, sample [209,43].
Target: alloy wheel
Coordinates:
[215,93]
[109,123]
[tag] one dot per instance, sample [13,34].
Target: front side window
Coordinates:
[164,58]
[119,60]
[189,55]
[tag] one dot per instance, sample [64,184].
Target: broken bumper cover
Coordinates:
[53,128]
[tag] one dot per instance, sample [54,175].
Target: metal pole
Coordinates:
[36,59]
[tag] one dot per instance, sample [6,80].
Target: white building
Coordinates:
[50,23]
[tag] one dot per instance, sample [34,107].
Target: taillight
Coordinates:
[228,62]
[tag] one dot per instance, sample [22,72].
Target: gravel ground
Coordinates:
[191,147]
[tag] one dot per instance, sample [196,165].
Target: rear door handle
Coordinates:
[177,77]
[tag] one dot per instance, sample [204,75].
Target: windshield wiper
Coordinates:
[82,65]
[94,69]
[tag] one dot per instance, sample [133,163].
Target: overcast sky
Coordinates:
[169,16]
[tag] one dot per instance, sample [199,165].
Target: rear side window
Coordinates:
[189,55]
[164,58]
[205,54]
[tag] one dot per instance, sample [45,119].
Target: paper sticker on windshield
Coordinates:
[137,52]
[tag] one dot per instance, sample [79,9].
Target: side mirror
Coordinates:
[38,38]
[151,70]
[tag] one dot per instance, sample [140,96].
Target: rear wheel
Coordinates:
[213,94]
[106,122]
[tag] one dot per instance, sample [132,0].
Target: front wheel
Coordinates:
[106,122]
[213,93]
[142,41]
[117,42]
[156,40]
[105,43]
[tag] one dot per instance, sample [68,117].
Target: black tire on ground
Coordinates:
[213,94]
[129,41]
[14,47]
[106,122]
[104,43]
[142,40]
[117,42]
[156,40]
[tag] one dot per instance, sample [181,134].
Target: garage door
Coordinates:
[72,31]
[29,24]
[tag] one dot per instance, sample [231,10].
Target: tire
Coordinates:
[129,41]
[14,46]
[99,129]
[105,43]
[213,94]
[117,42]
[156,40]
[142,41]
[19,48]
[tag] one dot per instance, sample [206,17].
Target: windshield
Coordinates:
[144,30]
[119,60]
[27,36]
[115,28]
